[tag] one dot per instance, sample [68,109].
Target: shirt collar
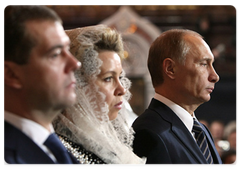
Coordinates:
[184,116]
[30,128]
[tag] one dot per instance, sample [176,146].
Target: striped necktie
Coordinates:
[202,141]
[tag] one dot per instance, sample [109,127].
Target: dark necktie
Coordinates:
[202,141]
[59,151]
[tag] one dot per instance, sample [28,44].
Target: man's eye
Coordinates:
[204,64]
[56,53]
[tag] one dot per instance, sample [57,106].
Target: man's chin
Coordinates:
[68,101]
[206,99]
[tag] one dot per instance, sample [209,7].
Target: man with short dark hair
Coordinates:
[181,67]
[38,83]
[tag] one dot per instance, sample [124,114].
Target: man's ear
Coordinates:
[11,77]
[169,67]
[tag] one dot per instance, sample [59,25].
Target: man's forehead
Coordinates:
[34,25]
[46,30]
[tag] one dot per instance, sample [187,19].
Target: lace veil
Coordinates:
[87,122]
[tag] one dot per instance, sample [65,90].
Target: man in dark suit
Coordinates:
[38,83]
[181,67]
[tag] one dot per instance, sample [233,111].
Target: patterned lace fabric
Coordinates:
[87,122]
[78,151]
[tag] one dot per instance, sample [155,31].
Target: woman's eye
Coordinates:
[108,79]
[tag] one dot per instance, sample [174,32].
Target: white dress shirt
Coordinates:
[33,130]
[183,115]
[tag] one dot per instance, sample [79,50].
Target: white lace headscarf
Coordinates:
[87,122]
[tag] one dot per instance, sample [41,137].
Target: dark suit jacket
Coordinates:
[163,138]
[20,149]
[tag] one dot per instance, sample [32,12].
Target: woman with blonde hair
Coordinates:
[95,129]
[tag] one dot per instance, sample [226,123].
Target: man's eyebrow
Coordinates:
[207,59]
[59,46]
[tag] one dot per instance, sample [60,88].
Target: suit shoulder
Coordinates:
[150,120]
[144,138]
[149,144]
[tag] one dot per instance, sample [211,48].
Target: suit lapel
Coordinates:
[26,151]
[31,153]
[179,129]
[187,140]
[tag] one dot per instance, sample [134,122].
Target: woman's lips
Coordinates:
[118,105]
